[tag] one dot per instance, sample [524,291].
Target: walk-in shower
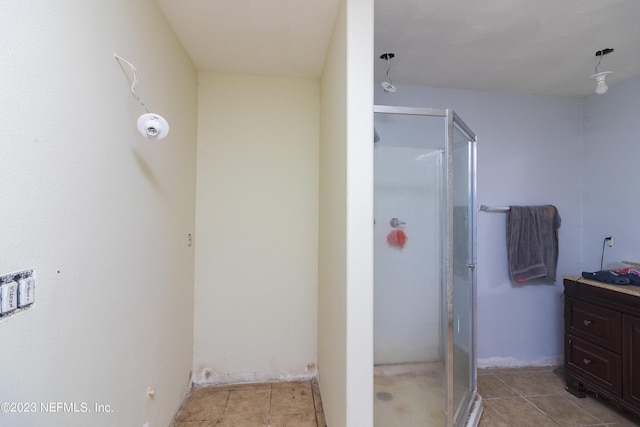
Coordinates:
[424,269]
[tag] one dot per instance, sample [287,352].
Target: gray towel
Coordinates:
[532,242]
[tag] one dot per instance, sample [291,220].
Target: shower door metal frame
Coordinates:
[453,120]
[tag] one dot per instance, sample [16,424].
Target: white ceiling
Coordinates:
[525,46]
[266,37]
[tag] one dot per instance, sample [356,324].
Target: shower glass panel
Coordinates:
[464,256]
[424,293]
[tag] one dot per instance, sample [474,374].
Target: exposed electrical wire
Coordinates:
[598,64]
[602,53]
[388,57]
[135,82]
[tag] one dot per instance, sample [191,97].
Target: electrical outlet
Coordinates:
[8,297]
[611,241]
[26,291]
[17,291]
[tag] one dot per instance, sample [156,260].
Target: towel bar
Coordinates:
[486,208]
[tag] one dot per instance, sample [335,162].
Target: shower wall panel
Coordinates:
[408,279]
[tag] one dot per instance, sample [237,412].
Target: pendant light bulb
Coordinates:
[601,84]
[387,84]
[388,87]
[153,126]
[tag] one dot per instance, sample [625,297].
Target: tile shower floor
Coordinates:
[409,395]
[277,404]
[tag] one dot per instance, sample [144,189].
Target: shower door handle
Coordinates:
[471,266]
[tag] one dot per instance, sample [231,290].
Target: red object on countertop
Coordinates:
[397,238]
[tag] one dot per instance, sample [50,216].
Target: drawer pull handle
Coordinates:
[586,361]
[586,322]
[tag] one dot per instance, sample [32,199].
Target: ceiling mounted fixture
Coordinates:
[599,77]
[387,84]
[150,125]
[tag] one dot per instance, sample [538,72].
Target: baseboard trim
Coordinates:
[512,362]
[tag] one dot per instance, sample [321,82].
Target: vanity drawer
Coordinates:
[596,324]
[599,366]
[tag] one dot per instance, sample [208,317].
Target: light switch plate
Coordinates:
[8,296]
[26,291]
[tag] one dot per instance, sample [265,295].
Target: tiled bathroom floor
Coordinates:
[277,404]
[526,397]
[522,397]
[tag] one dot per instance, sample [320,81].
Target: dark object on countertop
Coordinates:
[607,276]
[634,279]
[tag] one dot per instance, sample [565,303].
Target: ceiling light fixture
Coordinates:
[150,125]
[601,84]
[387,84]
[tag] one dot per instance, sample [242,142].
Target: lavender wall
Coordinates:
[529,153]
[610,170]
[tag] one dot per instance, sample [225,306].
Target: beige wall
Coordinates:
[345,306]
[103,216]
[332,257]
[360,212]
[101,213]
[257,228]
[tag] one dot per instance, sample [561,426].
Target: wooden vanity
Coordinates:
[602,341]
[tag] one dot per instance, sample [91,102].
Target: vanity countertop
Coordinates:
[625,289]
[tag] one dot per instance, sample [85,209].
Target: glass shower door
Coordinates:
[424,290]
[410,214]
[464,259]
